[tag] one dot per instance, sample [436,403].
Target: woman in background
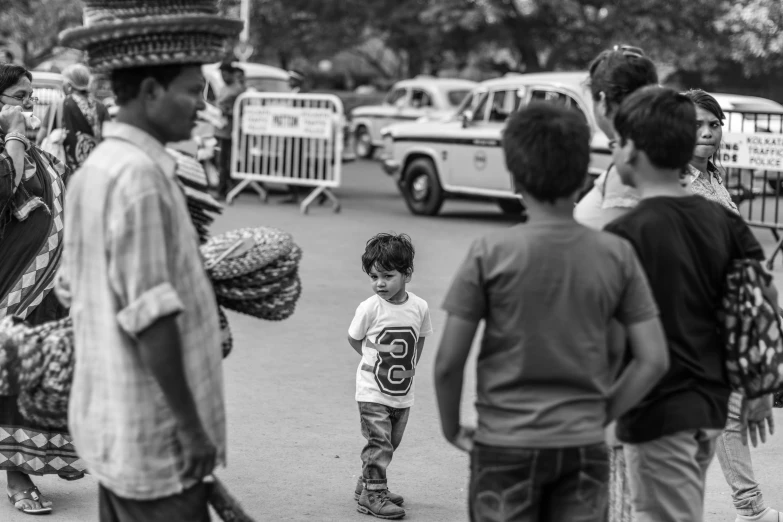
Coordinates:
[79,114]
[32,186]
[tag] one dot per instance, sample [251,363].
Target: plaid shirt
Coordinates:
[131,257]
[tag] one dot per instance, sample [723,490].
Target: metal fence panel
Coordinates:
[293,139]
[752,156]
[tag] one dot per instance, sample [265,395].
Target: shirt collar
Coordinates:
[711,168]
[143,140]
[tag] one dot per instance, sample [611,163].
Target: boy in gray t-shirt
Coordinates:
[546,290]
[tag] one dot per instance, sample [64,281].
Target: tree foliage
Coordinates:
[755,32]
[35,25]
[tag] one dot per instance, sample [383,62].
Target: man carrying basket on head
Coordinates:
[146,409]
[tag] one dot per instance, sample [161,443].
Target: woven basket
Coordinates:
[11,334]
[226,340]
[253,293]
[274,308]
[270,245]
[47,357]
[276,271]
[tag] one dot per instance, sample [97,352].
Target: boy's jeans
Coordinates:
[539,485]
[383,427]
[734,458]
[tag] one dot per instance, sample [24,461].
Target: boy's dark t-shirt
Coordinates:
[685,245]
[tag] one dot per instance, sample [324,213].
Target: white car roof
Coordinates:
[574,80]
[47,76]
[739,102]
[437,83]
[252,70]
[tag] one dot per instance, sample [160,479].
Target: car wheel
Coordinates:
[421,188]
[512,207]
[364,147]
[776,185]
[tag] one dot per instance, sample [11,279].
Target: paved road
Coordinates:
[293,424]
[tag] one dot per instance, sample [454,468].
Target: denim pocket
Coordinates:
[593,488]
[499,497]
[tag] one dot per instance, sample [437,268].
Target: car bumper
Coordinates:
[391,167]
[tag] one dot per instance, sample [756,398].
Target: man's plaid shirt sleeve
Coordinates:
[140,267]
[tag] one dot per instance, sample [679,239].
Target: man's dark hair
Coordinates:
[706,102]
[389,252]
[227,67]
[10,75]
[126,82]
[620,71]
[661,122]
[547,150]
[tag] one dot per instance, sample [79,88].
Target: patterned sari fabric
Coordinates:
[28,290]
[30,251]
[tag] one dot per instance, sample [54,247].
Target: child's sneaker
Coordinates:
[393,497]
[378,504]
[768,515]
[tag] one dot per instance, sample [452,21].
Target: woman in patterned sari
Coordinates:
[79,114]
[31,205]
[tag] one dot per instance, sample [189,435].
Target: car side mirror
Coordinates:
[466,118]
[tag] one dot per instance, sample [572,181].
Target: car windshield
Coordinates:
[456,97]
[267,84]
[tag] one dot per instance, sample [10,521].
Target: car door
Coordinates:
[478,163]
[600,156]
[389,112]
[421,104]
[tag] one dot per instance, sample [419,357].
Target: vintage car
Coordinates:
[462,156]
[408,100]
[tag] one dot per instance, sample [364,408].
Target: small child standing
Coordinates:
[388,331]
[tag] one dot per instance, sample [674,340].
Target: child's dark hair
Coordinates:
[547,150]
[389,252]
[661,122]
[620,71]
[706,102]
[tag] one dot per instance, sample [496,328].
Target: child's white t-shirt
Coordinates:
[387,378]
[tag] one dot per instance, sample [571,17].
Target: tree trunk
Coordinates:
[519,31]
[284,59]
[415,61]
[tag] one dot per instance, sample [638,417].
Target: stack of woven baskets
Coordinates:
[255,271]
[37,364]
[201,205]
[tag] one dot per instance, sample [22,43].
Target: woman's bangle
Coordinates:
[18,136]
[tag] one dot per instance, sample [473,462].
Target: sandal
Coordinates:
[71,476]
[29,494]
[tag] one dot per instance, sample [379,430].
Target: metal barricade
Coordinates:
[291,139]
[752,156]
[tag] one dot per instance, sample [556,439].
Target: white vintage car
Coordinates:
[463,157]
[408,100]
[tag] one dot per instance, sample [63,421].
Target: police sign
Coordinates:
[758,151]
[294,122]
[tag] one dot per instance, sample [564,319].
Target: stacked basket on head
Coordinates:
[261,277]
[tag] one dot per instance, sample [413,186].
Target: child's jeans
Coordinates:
[539,485]
[734,458]
[383,427]
[667,475]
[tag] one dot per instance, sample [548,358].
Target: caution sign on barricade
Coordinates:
[293,139]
